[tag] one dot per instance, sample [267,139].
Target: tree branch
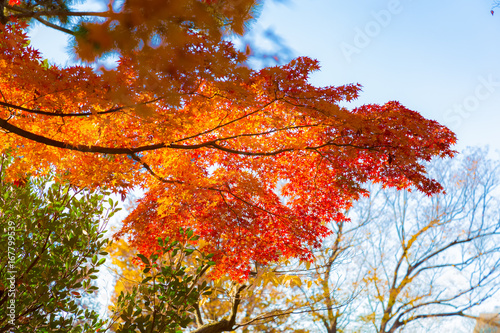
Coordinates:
[55,26]
[128,151]
[224,325]
[30,14]
[45,113]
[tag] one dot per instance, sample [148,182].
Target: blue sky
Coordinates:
[440,58]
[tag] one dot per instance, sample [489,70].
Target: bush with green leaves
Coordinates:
[172,285]
[52,243]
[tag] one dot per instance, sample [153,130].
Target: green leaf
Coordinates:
[143,259]
[45,64]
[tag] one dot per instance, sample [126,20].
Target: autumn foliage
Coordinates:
[256,162]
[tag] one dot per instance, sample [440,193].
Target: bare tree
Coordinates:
[407,262]
[434,257]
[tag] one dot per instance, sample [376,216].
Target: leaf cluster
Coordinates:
[52,241]
[166,298]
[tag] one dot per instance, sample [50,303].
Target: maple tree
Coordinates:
[208,138]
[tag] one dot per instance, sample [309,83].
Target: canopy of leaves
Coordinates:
[208,137]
